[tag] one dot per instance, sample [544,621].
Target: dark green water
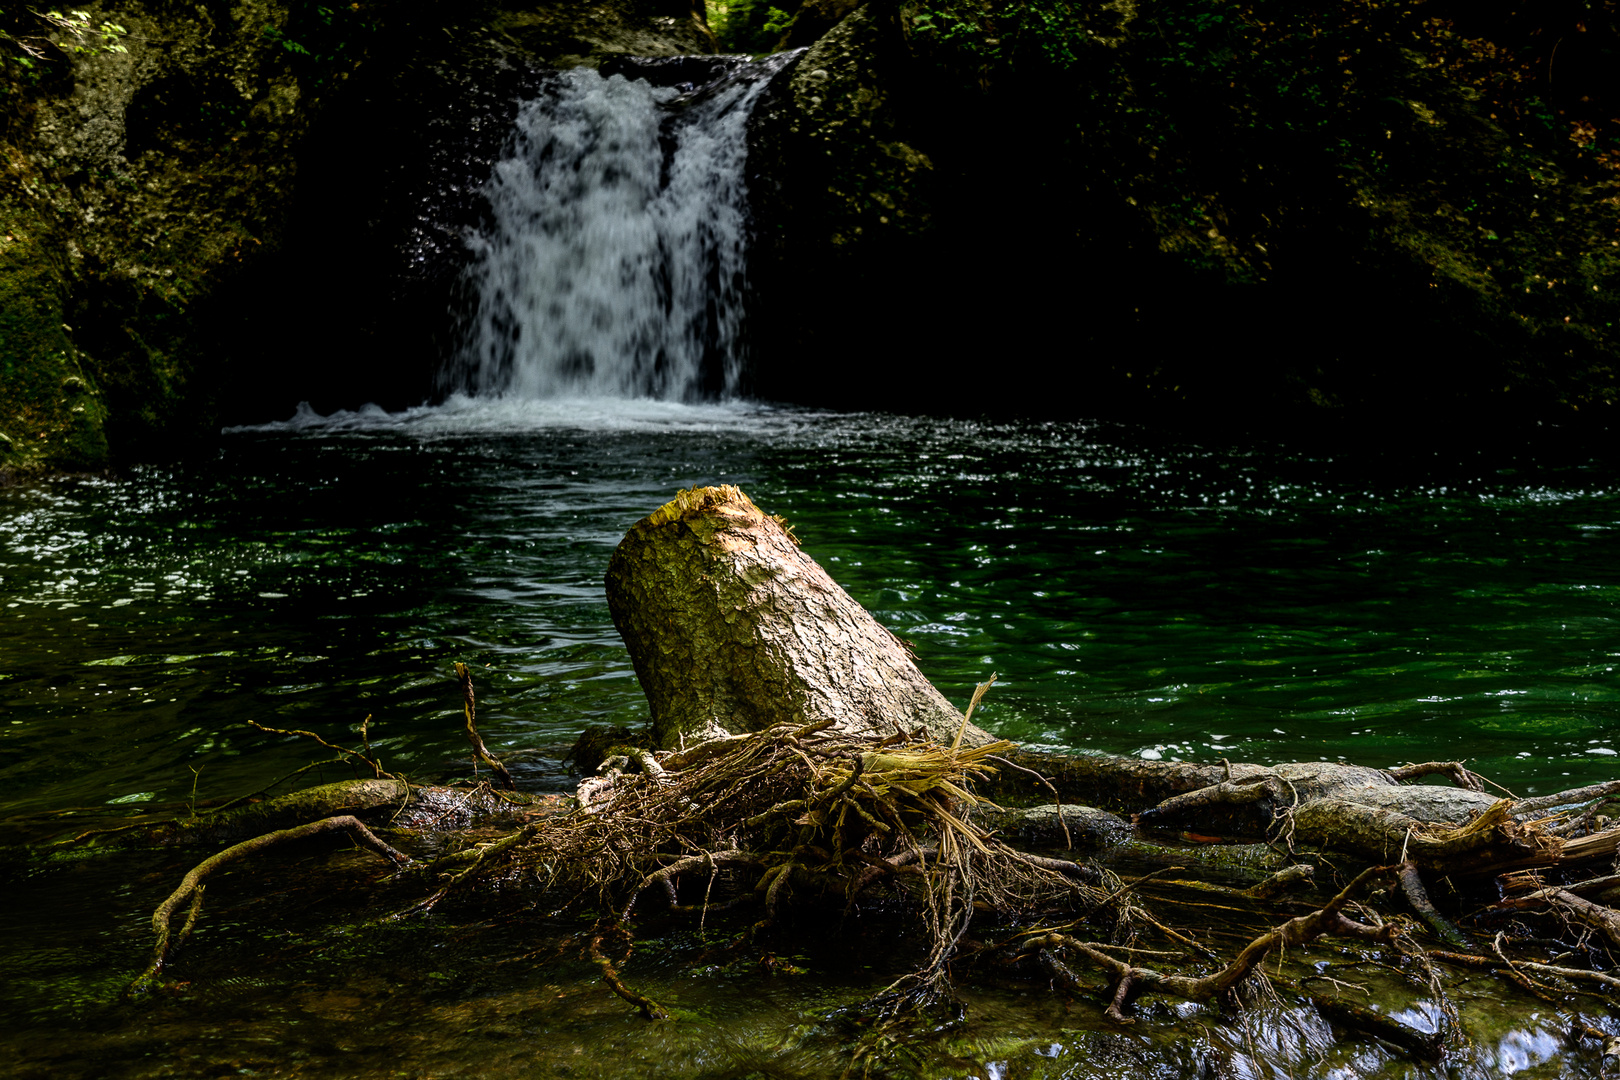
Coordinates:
[1136,595]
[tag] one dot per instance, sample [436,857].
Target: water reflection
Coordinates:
[293,973]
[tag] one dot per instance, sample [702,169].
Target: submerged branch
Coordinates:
[1132,980]
[1418,897]
[1460,776]
[610,975]
[192,884]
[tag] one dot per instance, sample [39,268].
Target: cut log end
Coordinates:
[733,628]
[724,501]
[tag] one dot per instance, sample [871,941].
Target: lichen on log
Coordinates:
[732,628]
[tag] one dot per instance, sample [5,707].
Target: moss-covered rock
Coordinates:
[51,411]
[842,106]
[148,179]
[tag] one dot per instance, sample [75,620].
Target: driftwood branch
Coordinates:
[708,860]
[469,708]
[353,755]
[1573,974]
[610,975]
[192,884]
[1226,793]
[1603,919]
[1418,897]
[1330,919]
[1572,797]
[1459,775]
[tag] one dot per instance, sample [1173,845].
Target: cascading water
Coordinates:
[614,263]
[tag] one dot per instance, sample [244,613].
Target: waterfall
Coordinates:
[614,262]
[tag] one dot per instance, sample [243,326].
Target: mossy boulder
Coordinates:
[148,182]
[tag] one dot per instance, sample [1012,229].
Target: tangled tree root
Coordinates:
[797,808]
[808,814]
[1130,980]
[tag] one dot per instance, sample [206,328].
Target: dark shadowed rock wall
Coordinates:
[1219,208]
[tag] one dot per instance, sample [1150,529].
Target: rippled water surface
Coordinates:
[1136,595]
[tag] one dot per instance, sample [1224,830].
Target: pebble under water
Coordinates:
[1136,595]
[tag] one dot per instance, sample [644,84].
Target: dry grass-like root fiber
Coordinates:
[790,808]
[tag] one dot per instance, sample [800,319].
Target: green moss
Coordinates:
[51,411]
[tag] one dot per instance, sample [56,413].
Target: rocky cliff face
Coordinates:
[170,213]
[1220,207]
[147,181]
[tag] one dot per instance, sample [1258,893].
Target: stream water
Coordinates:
[1136,593]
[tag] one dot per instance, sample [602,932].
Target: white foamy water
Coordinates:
[464,414]
[616,260]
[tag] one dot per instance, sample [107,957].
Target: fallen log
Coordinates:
[732,628]
[239,820]
[1352,809]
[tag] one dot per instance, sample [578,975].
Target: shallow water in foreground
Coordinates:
[293,974]
[1136,595]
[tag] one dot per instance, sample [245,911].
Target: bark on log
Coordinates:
[1377,833]
[353,797]
[733,628]
[1131,785]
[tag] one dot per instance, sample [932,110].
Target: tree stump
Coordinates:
[732,628]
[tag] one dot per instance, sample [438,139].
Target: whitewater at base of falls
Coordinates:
[473,415]
[615,261]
